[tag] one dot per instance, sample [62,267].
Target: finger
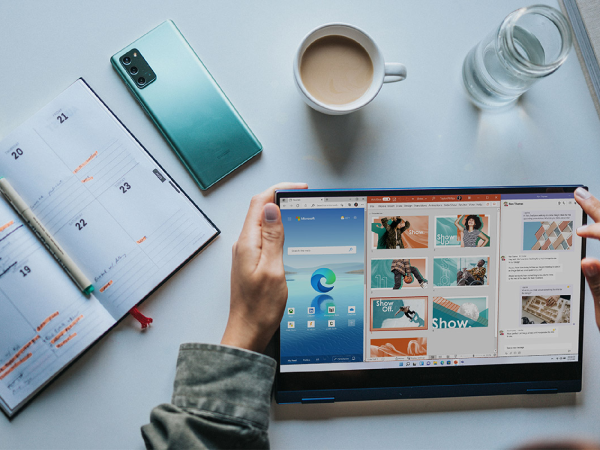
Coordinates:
[251,233]
[272,238]
[591,270]
[589,203]
[589,231]
[234,258]
[260,200]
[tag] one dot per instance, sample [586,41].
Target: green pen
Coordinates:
[29,217]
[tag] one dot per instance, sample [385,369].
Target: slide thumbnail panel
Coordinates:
[399,314]
[400,232]
[393,347]
[461,271]
[460,312]
[398,273]
[463,230]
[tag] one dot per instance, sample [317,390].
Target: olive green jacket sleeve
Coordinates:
[221,399]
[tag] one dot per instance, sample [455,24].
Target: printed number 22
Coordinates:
[125,188]
[61,117]
[82,223]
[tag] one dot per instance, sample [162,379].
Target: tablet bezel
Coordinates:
[427,382]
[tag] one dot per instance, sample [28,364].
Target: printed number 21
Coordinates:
[61,117]
[82,223]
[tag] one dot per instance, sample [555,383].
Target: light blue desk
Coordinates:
[424,125]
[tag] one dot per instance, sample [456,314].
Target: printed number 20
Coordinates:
[18,152]
[82,223]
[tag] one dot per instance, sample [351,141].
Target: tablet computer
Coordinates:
[430,292]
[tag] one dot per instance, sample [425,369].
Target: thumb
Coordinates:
[591,270]
[272,235]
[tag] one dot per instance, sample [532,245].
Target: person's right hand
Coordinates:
[591,266]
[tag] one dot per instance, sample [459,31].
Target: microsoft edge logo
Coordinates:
[318,275]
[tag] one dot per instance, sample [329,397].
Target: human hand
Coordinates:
[591,266]
[258,287]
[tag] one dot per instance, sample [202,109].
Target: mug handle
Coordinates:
[394,72]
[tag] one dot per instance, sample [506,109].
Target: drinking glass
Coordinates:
[530,44]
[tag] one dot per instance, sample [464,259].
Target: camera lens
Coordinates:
[126,60]
[133,70]
[141,80]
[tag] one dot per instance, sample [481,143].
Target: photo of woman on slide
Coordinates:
[469,229]
[392,238]
[406,232]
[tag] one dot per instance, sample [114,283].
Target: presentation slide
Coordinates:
[398,314]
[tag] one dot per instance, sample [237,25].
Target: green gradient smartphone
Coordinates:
[186,104]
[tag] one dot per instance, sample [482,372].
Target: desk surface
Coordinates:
[552,136]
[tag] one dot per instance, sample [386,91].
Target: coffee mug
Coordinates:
[338,78]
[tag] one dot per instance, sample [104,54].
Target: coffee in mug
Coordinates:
[339,69]
[336,70]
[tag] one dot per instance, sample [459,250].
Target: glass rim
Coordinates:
[506,38]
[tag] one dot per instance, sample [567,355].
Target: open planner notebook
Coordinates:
[115,212]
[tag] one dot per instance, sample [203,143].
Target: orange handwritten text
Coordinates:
[106,286]
[66,330]
[17,364]
[86,162]
[87,179]
[66,340]
[45,322]
[141,240]
[58,336]
[19,353]
[4,227]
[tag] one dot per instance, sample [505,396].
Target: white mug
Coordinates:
[382,72]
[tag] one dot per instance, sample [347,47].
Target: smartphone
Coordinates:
[187,105]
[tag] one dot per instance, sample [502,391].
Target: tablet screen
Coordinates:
[430,279]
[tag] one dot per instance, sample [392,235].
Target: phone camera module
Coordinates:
[137,68]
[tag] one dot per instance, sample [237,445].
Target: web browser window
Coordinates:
[422,281]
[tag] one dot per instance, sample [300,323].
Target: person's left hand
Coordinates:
[258,286]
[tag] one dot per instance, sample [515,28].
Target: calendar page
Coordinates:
[45,319]
[109,205]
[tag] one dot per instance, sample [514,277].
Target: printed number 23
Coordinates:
[125,187]
[82,223]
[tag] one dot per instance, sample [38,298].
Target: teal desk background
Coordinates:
[420,132]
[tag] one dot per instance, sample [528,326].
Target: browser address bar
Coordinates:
[336,250]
